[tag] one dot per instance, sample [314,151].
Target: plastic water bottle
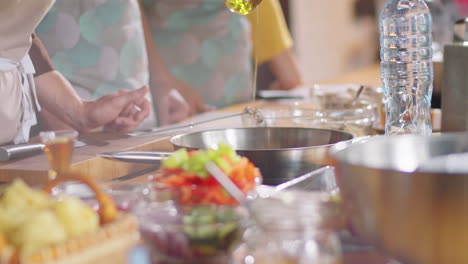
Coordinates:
[406,66]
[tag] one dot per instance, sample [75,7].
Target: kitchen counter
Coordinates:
[34,169]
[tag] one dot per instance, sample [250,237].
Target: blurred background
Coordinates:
[348,31]
[350,37]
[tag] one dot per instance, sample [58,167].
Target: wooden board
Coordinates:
[34,170]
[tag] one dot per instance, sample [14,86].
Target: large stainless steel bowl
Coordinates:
[401,194]
[281,153]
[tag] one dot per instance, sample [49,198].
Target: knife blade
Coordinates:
[25,150]
[144,157]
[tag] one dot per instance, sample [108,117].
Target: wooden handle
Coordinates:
[107,209]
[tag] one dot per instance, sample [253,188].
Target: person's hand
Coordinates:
[171,108]
[120,111]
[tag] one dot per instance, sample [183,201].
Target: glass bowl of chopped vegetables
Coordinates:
[191,218]
[191,234]
[184,175]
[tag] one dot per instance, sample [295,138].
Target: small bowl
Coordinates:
[336,113]
[190,234]
[357,119]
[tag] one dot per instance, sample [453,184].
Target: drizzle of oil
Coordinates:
[245,7]
[242,7]
[255,73]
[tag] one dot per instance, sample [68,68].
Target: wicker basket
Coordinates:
[111,243]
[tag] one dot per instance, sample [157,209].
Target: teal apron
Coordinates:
[204,45]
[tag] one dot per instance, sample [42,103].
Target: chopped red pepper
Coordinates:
[194,190]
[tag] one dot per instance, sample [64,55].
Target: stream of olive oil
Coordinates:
[255,73]
[245,7]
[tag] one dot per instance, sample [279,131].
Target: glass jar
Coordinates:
[288,228]
[58,150]
[196,234]
[338,114]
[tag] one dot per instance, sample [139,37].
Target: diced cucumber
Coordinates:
[223,164]
[188,220]
[205,232]
[196,163]
[203,174]
[201,210]
[207,219]
[176,159]
[226,230]
[226,214]
[190,231]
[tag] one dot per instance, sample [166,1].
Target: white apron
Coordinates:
[29,102]
[18,100]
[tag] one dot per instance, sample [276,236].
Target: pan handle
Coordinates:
[144,157]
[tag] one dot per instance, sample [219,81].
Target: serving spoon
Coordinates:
[226,182]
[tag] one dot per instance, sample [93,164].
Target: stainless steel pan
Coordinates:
[402,194]
[281,153]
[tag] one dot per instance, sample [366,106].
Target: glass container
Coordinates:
[176,230]
[332,112]
[189,234]
[289,228]
[326,112]
[59,150]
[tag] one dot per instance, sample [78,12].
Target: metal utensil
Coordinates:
[19,151]
[144,157]
[25,150]
[156,131]
[418,217]
[224,180]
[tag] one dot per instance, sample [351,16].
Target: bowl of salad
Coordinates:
[191,218]
[184,176]
[191,234]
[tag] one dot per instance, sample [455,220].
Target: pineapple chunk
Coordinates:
[76,217]
[19,195]
[12,218]
[39,231]
[30,220]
